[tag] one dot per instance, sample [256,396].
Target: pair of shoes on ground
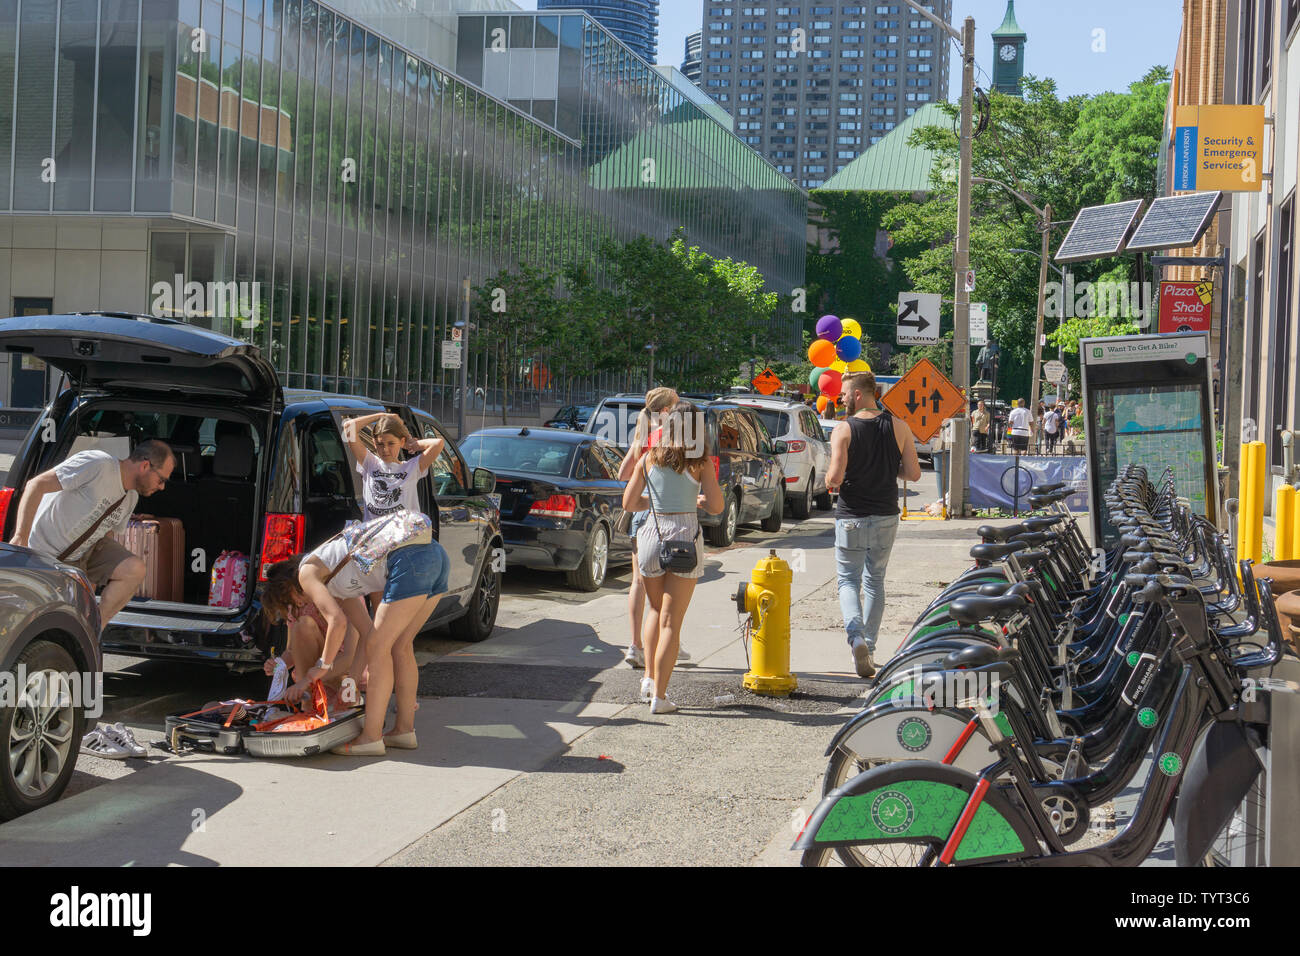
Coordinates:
[635,657]
[862,661]
[658,705]
[378,748]
[114,742]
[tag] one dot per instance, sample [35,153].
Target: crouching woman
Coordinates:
[411,580]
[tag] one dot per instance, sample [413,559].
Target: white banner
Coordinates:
[995,480]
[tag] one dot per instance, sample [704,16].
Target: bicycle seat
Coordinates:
[1029,559]
[1043,523]
[996,589]
[1042,501]
[996,552]
[980,655]
[1047,489]
[1035,538]
[972,609]
[1001,535]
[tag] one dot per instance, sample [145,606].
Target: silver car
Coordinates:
[50,675]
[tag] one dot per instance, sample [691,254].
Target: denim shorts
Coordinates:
[638,519]
[418,570]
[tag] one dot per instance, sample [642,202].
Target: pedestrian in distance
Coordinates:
[657,400]
[980,421]
[77,513]
[1052,428]
[1019,428]
[870,451]
[411,579]
[669,481]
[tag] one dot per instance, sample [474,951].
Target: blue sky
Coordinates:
[1138,34]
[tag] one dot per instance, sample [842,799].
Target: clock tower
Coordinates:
[1008,53]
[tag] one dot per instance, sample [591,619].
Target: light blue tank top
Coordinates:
[670,492]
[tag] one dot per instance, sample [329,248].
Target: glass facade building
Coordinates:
[157,149]
[635,22]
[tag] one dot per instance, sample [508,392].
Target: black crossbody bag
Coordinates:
[676,556]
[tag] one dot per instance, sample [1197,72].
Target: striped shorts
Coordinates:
[675,527]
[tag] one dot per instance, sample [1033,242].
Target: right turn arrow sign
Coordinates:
[918,318]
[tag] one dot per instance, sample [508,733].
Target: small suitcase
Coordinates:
[229,586]
[160,543]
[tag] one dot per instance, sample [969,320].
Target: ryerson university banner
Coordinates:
[996,479]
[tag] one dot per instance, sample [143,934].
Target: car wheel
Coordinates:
[476,623]
[773,521]
[724,533]
[590,574]
[801,505]
[41,728]
[824,501]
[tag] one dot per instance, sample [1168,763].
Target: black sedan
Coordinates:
[560,499]
[572,417]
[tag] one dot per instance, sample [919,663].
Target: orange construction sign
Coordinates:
[924,398]
[766,383]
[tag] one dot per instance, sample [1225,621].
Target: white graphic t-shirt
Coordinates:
[350,582]
[1018,421]
[92,481]
[388,488]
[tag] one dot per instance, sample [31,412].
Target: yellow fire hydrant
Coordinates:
[766,598]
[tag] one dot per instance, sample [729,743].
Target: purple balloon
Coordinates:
[829,328]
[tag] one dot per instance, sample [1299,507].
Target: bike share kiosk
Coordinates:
[1147,401]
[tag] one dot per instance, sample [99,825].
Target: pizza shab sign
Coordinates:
[1186,306]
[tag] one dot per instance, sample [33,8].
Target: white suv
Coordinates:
[809,458]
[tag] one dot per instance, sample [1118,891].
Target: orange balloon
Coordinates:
[821,353]
[822,400]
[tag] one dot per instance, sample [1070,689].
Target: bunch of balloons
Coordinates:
[838,350]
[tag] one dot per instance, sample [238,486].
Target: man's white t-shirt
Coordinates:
[1051,423]
[388,488]
[1018,421]
[92,481]
[350,582]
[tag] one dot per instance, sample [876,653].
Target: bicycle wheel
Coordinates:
[843,767]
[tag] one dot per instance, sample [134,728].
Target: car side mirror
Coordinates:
[484,481]
[780,448]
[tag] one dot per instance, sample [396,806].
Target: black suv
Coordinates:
[746,458]
[260,470]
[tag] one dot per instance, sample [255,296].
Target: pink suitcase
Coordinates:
[160,543]
[229,586]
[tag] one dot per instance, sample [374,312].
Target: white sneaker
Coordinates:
[98,744]
[121,735]
[662,705]
[682,655]
[647,689]
[635,657]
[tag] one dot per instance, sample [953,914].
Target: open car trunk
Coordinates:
[213,489]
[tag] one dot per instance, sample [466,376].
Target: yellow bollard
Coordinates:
[1295,536]
[766,598]
[1284,523]
[1258,476]
[1245,485]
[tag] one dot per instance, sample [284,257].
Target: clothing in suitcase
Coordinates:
[160,544]
[229,586]
[266,728]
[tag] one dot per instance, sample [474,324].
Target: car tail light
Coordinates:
[282,538]
[556,506]
[797,444]
[792,479]
[6,495]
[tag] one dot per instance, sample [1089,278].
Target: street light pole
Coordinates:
[961,298]
[464,363]
[1046,226]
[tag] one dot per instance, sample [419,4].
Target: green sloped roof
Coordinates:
[674,145]
[891,165]
[1009,26]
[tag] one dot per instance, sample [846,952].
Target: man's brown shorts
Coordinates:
[101,560]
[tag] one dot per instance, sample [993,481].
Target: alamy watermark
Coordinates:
[1135,301]
[44,689]
[949,688]
[689,430]
[218,300]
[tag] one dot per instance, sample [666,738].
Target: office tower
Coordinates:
[635,22]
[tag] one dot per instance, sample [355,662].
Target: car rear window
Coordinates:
[615,422]
[775,421]
[517,453]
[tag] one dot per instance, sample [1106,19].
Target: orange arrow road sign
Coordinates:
[767,382]
[924,398]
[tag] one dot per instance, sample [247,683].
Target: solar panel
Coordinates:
[1172,222]
[1099,231]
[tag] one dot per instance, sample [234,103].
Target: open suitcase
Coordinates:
[206,731]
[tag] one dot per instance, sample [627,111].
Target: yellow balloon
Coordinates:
[839,365]
[857,365]
[851,328]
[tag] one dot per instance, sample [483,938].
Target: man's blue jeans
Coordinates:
[862,547]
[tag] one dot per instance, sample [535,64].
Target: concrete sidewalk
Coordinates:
[533,750]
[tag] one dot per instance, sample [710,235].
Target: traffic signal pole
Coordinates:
[958,467]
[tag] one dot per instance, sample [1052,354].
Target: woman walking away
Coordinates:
[669,480]
[656,400]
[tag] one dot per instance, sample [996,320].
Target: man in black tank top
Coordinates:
[870,451]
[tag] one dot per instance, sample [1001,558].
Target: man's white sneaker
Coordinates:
[662,705]
[121,735]
[98,744]
[647,689]
[635,657]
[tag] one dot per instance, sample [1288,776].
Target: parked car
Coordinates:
[573,417]
[746,460]
[809,457]
[260,470]
[560,499]
[49,656]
